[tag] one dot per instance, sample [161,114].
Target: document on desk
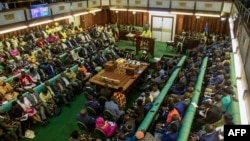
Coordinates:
[130,35]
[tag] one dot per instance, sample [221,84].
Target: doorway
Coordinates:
[162,28]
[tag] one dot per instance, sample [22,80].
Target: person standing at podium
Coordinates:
[146,33]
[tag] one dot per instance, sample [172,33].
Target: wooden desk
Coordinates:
[131,37]
[191,42]
[118,77]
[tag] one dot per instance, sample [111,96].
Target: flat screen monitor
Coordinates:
[39,10]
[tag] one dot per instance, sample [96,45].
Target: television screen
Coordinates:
[39,10]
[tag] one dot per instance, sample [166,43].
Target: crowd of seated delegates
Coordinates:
[124,122]
[54,94]
[45,63]
[37,107]
[218,92]
[177,100]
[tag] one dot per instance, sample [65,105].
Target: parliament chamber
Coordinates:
[137,69]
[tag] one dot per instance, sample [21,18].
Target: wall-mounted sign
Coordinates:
[60,8]
[105,2]
[119,2]
[138,3]
[209,6]
[12,17]
[76,6]
[94,3]
[159,3]
[187,5]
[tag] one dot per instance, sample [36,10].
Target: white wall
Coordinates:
[163,14]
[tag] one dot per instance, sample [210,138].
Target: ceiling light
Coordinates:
[158,11]
[181,13]
[137,10]
[61,18]
[207,15]
[223,18]
[96,10]
[117,9]
[78,14]
[39,23]
[13,29]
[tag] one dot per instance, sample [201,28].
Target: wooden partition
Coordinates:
[99,18]
[128,18]
[191,23]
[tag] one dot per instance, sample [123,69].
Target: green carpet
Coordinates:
[60,127]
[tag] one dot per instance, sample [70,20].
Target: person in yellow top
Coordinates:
[146,33]
[32,58]
[7,91]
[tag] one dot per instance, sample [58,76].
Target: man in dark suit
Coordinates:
[100,60]
[86,119]
[56,93]
[91,102]
[68,93]
[208,115]
[210,135]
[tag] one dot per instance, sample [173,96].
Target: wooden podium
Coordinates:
[144,43]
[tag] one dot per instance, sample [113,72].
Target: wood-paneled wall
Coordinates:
[128,18]
[99,18]
[191,23]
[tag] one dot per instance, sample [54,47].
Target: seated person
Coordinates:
[171,112]
[76,136]
[106,91]
[107,127]
[7,124]
[128,126]
[210,134]
[171,135]
[18,114]
[144,57]
[114,108]
[71,76]
[84,70]
[86,119]
[91,102]
[120,98]
[137,112]
[47,99]
[26,81]
[28,109]
[7,91]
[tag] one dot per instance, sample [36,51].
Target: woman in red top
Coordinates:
[26,81]
[84,70]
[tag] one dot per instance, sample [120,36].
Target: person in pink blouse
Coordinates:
[14,51]
[109,128]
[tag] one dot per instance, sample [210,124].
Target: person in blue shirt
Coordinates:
[172,134]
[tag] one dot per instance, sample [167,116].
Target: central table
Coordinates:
[120,73]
